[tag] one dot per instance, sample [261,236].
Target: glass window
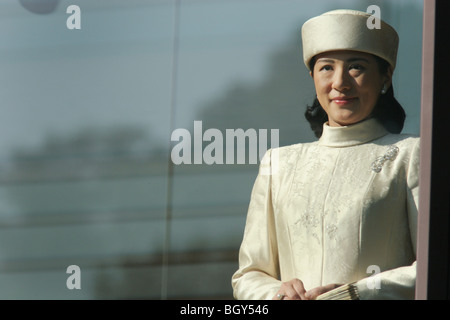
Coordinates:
[87,173]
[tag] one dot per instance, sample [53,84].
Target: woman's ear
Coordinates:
[388,77]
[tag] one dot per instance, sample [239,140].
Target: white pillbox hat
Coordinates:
[348,30]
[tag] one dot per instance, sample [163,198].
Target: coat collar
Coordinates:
[352,135]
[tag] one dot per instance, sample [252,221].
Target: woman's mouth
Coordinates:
[344,100]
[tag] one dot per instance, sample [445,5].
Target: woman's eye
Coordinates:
[326,68]
[357,67]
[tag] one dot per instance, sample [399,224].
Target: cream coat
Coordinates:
[334,211]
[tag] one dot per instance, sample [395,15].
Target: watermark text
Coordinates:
[212,146]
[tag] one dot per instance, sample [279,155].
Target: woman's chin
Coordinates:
[344,121]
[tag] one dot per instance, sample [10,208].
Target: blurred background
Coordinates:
[86,120]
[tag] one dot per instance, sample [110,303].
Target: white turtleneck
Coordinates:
[334,211]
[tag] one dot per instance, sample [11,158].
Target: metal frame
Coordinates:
[433,274]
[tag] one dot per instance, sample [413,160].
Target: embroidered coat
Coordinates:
[339,210]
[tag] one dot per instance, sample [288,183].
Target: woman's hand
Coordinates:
[291,290]
[315,292]
[294,290]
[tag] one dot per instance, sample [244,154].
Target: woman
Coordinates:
[336,218]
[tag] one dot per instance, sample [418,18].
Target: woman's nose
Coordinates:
[341,80]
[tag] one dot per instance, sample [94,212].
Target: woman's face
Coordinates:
[348,84]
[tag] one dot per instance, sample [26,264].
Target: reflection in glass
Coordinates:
[84,172]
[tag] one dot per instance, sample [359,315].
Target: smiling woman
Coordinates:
[348,84]
[345,205]
[363,70]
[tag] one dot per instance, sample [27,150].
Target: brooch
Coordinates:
[391,154]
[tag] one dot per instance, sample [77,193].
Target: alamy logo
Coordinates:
[374,281]
[74,20]
[373,22]
[74,280]
[214,147]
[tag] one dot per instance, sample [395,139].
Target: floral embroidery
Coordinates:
[288,166]
[331,231]
[310,222]
[391,154]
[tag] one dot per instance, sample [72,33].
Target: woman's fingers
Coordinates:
[295,290]
[315,292]
[291,290]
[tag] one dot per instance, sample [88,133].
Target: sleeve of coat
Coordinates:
[399,283]
[257,276]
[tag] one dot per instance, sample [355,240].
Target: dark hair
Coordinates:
[387,111]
